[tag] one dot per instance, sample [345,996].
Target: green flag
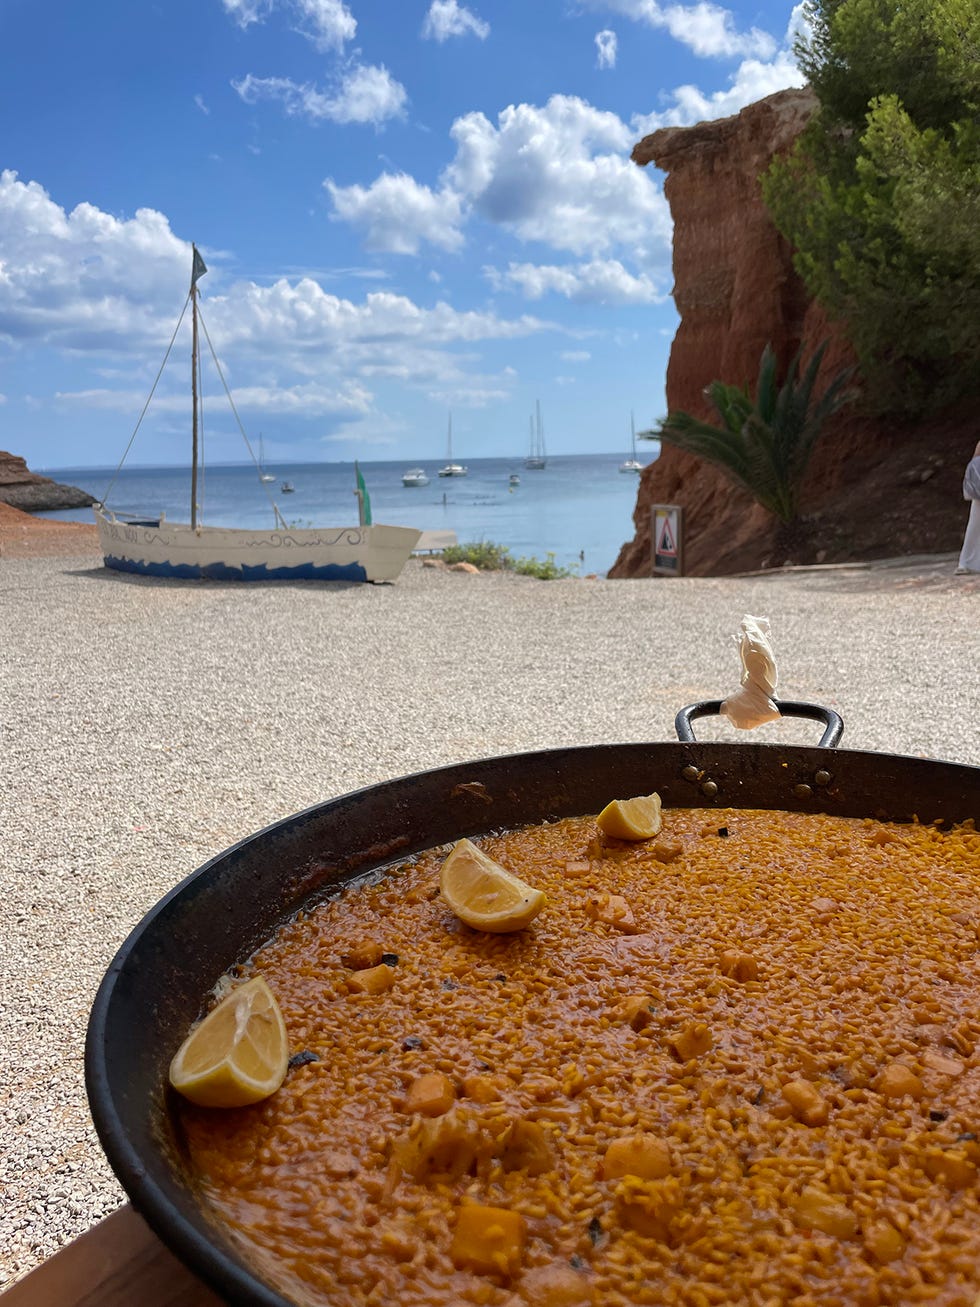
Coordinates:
[363,498]
[198,267]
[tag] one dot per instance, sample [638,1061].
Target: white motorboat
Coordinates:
[415,476]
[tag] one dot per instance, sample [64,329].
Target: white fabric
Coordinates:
[970,553]
[752,704]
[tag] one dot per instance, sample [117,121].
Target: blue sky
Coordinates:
[408,208]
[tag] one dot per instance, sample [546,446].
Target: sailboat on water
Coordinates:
[536,458]
[452,469]
[632,464]
[263,474]
[362,552]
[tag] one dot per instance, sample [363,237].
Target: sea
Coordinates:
[578,508]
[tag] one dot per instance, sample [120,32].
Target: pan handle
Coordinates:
[833,722]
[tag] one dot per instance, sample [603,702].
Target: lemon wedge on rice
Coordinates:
[238,1054]
[631,819]
[486,895]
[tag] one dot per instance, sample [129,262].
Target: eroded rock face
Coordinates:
[736,290]
[24,489]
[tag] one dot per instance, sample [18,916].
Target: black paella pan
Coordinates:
[157,985]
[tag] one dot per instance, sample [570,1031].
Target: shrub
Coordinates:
[490,557]
[484,554]
[545,570]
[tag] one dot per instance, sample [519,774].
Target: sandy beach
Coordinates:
[148,725]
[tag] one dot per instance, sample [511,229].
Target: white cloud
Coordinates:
[752,81]
[560,174]
[84,279]
[306,399]
[246,12]
[200,102]
[598,282]
[366,94]
[706,29]
[397,213]
[369,94]
[575,356]
[109,292]
[327,23]
[446,18]
[605,44]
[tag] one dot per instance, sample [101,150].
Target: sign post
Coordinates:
[667,535]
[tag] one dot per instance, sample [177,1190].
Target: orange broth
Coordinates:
[737,1063]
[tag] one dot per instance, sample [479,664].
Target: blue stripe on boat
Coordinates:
[222,572]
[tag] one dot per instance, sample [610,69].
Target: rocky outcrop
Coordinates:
[736,290]
[24,489]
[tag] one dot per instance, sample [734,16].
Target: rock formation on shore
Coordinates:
[875,489]
[24,489]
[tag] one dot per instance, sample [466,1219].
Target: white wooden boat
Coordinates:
[173,549]
[415,476]
[190,551]
[452,469]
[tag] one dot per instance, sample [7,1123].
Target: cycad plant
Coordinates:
[764,444]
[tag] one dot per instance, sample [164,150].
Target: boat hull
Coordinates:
[179,551]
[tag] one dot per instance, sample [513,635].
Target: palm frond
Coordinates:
[765,444]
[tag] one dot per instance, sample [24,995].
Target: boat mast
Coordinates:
[198,268]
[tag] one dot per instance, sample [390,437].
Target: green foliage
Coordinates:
[545,569]
[489,557]
[881,195]
[484,554]
[764,445]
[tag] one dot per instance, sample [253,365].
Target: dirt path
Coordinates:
[22,535]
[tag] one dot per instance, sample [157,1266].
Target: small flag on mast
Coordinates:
[363,498]
[199,267]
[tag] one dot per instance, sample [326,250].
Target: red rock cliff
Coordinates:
[24,489]
[736,290]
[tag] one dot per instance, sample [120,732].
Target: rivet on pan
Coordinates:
[803,791]
[823,777]
[709,789]
[690,772]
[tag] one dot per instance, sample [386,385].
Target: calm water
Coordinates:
[579,508]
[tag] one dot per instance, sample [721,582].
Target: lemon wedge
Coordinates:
[486,895]
[631,819]
[238,1054]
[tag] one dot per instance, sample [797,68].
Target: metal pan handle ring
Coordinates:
[833,722]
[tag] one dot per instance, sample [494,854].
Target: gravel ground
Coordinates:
[146,726]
